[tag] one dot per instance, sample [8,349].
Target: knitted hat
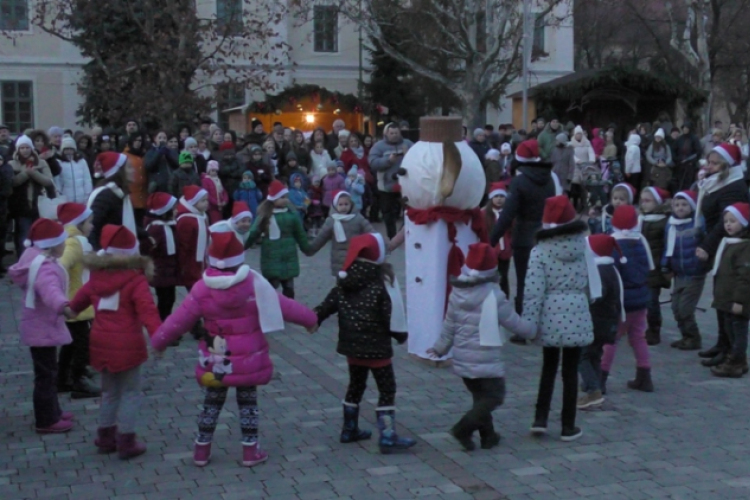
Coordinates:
[160,203]
[660,133]
[212,165]
[368,246]
[338,194]
[249,173]
[72,214]
[562,138]
[45,233]
[190,141]
[578,130]
[110,163]
[629,188]
[478,131]
[492,154]
[24,140]
[659,194]
[497,189]
[291,156]
[481,261]
[741,212]
[225,251]
[185,157]
[528,152]
[240,210]
[68,142]
[604,245]
[276,190]
[226,145]
[557,211]
[117,240]
[506,148]
[193,194]
[625,218]
[690,196]
[254,123]
[729,152]
[55,130]
[352,171]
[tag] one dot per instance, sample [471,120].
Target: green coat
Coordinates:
[278,258]
[732,280]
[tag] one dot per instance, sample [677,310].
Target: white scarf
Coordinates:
[490,334]
[200,248]
[34,268]
[712,184]
[634,234]
[111,303]
[128,216]
[87,248]
[274,232]
[604,220]
[595,280]
[398,313]
[502,240]
[168,234]
[723,246]
[338,226]
[672,233]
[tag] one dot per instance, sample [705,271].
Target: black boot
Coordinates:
[462,431]
[350,432]
[653,333]
[712,352]
[605,376]
[489,438]
[715,361]
[733,367]
[84,389]
[642,380]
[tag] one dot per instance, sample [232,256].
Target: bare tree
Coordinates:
[473,47]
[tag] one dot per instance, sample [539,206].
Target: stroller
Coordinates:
[612,170]
[597,185]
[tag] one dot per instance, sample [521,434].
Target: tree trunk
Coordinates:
[474,110]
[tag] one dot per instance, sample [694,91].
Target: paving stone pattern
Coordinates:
[687,440]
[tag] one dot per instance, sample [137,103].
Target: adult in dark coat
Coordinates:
[524,209]
[688,151]
[723,186]
[160,164]
[479,144]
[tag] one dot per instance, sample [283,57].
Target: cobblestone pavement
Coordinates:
[687,440]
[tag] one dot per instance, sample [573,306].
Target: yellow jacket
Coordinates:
[72,261]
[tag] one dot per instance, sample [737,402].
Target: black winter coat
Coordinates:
[654,231]
[364,310]
[107,209]
[605,311]
[712,209]
[160,165]
[528,193]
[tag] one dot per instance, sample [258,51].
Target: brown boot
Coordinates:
[642,380]
[733,367]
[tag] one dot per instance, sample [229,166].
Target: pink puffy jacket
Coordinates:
[236,352]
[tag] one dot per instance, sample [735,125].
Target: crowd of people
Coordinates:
[165,210]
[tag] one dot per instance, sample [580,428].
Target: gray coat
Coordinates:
[358,225]
[384,169]
[564,165]
[461,328]
[556,295]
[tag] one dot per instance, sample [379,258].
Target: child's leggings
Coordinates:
[247,402]
[165,299]
[121,399]
[384,378]
[635,327]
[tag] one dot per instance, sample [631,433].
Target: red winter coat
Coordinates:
[187,244]
[117,342]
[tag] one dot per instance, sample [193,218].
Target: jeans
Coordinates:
[74,357]
[390,205]
[287,286]
[247,403]
[22,226]
[736,327]
[121,399]
[487,394]
[521,261]
[46,405]
[384,378]
[570,358]
[685,296]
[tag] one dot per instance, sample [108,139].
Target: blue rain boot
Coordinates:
[389,440]
[350,432]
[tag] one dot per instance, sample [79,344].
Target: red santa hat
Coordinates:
[45,233]
[193,194]
[528,152]
[276,190]
[629,188]
[72,214]
[690,196]
[659,194]
[625,218]
[240,210]
[557,211]
[741,212]
[338,194]
[118,240]
[160,203]
[225,251]
[604,246]
[497,189]
[110,163]
[368,246]
[729,152]
[481,261]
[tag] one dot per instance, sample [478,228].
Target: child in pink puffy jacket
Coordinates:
[45,300]
[238,307]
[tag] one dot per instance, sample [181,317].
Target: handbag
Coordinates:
[48,206]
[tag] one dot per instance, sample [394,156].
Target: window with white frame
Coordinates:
[14,15]
[325,28]
[17,98]
[229,16]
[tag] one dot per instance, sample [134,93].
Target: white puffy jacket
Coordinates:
[74,181]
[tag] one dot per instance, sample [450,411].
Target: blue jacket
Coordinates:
[634,274]
[250,196]
[684,261]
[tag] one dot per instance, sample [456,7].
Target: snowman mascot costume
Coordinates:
[442,182]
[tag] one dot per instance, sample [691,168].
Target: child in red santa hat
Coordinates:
[164,251]
[492,210]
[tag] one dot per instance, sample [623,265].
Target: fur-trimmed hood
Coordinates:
[575,227]
[140,263]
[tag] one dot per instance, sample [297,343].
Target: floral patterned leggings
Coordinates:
[247,402]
